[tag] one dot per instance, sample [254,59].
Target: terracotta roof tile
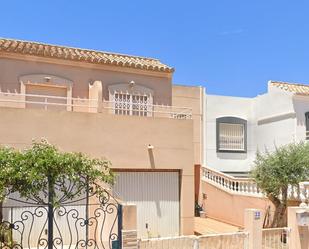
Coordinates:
[84,55]
[300,89]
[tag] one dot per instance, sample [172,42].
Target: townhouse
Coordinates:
[117,106]
[236,128]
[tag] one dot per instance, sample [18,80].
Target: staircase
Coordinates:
[244,186]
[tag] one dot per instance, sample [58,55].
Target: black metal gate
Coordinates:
[90,220]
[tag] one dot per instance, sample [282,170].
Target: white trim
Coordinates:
[275,118]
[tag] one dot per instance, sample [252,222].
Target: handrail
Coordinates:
[46,103]
[235,185]
[44,96]
[229,176]
[244,186]
[94,105]
[166,107]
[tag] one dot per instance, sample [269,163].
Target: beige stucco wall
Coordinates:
[121,139]
[192,97]
[229,207]
[81,74]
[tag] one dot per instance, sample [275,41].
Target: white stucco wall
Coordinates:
[221,106]
[275,118]
[301,106]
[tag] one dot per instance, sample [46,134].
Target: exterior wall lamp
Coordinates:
[131,83]
[150,147]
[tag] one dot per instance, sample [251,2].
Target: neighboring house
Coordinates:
[112,105]
[237,127]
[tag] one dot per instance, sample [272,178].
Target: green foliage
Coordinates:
[31,170]
[197,208]
[275,171]
[6,235]
[287,165]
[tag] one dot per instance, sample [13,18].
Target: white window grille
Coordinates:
[140,105]
[122,104]
[130,104]
[129,99]
[231,137]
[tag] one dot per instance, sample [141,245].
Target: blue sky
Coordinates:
[230,47]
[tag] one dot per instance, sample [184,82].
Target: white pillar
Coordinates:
[299,235]
[254,225]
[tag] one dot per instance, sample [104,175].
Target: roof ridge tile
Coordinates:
[79,54]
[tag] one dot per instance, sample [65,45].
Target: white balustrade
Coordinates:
[46,102]
[244,186]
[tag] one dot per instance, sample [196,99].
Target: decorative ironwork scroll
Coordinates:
[82,218]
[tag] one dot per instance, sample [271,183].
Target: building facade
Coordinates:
[109,105]
[236,128]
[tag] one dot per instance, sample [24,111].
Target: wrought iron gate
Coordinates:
[90,221]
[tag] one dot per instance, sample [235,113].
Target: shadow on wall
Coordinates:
[151,157]
[232,156]
[228,207]
[301,107]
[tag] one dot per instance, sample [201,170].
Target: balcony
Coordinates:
[47,102]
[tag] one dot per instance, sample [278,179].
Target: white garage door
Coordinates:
[156,195]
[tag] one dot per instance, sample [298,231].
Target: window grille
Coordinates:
[231,137]
[131,104]
[231,134]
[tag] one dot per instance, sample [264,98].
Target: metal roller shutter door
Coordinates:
[156,195]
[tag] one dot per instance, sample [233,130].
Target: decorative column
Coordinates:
[95,96]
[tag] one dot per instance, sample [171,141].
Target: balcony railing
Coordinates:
[245,186]
[47,102]
[235,185]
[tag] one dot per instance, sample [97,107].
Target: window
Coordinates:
[231,134]
[307,125]
[47,92]
[128,104]
[135,100]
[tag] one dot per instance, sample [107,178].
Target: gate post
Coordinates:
[299,233]
[50,217]
[254,225]
[129,226]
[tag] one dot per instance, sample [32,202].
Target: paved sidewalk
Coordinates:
[210,226]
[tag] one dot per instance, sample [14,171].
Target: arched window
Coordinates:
[231,134]
[131,99]
[44,91]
